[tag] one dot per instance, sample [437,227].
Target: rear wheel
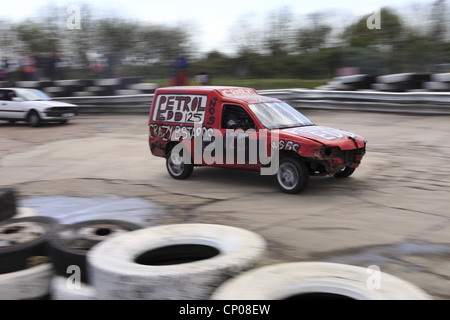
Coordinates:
[292,175]
[176,165]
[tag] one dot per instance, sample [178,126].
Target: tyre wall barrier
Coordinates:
[86,87]
[427,103]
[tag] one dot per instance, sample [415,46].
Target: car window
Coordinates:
[235,117]
[278,115]
[32,95]
[3,95]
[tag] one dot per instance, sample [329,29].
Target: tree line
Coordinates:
[283,45]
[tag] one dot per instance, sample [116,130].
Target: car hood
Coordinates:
[49,104]
[326,136]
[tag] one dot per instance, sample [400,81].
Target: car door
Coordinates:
[10,109]
[240,137]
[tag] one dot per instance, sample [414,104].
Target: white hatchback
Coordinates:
[33,106]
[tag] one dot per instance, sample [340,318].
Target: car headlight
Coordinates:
[329,152]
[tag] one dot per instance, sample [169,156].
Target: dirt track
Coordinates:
[393,212]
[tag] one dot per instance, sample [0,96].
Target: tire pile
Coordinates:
[399,82]
[88,87]
[40,258]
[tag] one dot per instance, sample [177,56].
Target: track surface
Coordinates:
[393,212]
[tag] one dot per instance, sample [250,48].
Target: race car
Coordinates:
[236,127]
[33,106]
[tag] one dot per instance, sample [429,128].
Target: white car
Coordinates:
[33,106]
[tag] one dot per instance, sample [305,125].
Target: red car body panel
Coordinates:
[176,110]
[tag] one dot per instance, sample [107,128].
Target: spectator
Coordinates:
[5,72]
[203,78]
[99,68]
[59,67]
[179,75]
[28,68]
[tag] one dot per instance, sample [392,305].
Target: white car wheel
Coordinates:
[31,283]
[181,261]
[317,280]
[60,289]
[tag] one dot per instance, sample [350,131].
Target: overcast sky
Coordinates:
[211,19]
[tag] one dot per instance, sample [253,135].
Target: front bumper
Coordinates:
[337,160]
[59,113]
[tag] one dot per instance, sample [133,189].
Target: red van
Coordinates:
[235,127]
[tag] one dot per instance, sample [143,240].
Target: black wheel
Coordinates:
[21,239]
[344,173]
[8,206]
[292,175]
[34,119]
[176,165]
[68,245]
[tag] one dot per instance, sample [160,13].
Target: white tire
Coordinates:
[140,265]
[61,290]
[323,280]
[30,283]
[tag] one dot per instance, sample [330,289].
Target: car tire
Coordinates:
[292,175]
[34,119]
[27,284]
[8,206]
[68,244]
[60,290]
[316,280]
[176,167]
[22,239]
[344,173]
[172,262]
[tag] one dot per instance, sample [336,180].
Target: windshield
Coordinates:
[32,94]
[278,115]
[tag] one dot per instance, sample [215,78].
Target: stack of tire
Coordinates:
[438,82]
[25,269]
[401,82]
[38,254]
[354,82]
[41,258]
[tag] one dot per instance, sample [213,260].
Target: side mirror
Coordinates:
[17,99]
